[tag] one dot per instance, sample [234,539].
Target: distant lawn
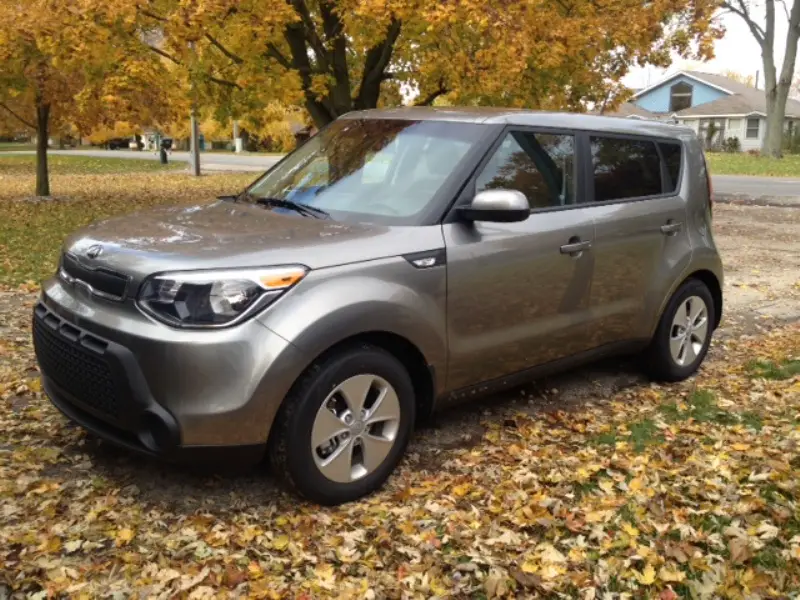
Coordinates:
[15,147]
[83,165]
[741,163]
[31,231]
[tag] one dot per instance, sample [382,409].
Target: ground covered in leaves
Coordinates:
[595,484]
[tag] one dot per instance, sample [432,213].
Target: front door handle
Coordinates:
[671,227]
[575,247]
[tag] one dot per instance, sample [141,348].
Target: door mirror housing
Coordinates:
[497,206]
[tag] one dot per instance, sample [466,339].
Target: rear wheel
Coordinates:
[683,335]
[344,426]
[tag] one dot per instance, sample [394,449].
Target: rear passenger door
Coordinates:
[639,209]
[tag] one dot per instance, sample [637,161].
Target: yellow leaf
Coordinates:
[671,575]
[630,529]
[635,485]
[462,490]
[647,576]
[529,567]
[741,447]
[280,542]
[124,536]
[35,385]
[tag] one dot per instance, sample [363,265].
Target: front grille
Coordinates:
[104,282]
[74,360]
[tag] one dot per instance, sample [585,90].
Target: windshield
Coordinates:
[374,170]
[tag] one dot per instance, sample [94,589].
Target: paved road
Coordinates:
[756,186]
[211,161]
[728,185]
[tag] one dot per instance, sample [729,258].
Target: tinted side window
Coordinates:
[540,165]
[625,168]
[672,160]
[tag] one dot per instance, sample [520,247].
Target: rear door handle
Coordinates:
[575,247]
[671,227]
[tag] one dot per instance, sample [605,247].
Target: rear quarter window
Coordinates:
[672,154]
[625,168]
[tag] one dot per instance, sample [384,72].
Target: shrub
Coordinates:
[731,144]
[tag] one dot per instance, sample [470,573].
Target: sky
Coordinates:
[737,51]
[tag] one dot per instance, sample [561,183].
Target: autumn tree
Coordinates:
[777,84]
[335,56]
[69,64]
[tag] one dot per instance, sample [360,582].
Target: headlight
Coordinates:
[214,298]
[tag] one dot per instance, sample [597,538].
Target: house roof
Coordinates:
[629,109]
[721,83]
[740,99]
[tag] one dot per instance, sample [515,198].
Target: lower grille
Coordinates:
[75,362]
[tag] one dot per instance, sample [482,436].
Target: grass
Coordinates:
[768,369]
[741,163]
[15,147]
[85,190]
[83,165]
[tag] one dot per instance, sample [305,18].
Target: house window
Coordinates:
[680,96]
[752,129]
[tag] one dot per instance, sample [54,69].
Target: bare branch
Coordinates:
[785,9]
[152,15]
[226,83]
[15,115]
[236,59]
[274,52]
[741,10]
[160,52]
[428,100]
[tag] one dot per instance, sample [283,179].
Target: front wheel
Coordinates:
[344,426]
[683,335]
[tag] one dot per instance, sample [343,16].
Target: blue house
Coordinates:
[699,100]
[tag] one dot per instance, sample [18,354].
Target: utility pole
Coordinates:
[194,143]
[194,149]
[237,141]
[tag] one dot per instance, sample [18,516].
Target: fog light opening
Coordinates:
[155,434]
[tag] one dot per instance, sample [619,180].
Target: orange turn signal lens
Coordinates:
[282,279]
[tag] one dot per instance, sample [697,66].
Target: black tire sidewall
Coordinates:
[661,363]
[321,380]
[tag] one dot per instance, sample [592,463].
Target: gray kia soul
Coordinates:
[396,262]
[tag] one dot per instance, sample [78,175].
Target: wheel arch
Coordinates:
[423,374]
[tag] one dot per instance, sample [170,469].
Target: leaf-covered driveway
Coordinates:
[687,490]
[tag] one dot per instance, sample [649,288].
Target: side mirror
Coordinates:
[498,206]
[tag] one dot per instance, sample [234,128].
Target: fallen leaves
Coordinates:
[688,490]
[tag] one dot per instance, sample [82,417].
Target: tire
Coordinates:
[319,471]
[661,363]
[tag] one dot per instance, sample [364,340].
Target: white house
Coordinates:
[699,99]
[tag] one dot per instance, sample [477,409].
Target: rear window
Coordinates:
[625,168]
[672,160]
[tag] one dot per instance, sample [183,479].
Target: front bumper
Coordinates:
[154,389]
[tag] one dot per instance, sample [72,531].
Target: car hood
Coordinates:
[232,235]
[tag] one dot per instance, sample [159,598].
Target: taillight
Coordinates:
[710,187]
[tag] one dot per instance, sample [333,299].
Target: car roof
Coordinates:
[524,117]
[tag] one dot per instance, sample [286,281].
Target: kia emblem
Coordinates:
[94,251]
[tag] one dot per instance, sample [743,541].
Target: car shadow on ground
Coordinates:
[187,489]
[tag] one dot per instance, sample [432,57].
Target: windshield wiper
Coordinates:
[298,207]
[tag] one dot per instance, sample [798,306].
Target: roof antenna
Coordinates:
[757,74]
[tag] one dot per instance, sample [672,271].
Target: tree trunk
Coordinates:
[773,136]
[42,133]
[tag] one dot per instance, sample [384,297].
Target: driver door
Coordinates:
[515,298]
